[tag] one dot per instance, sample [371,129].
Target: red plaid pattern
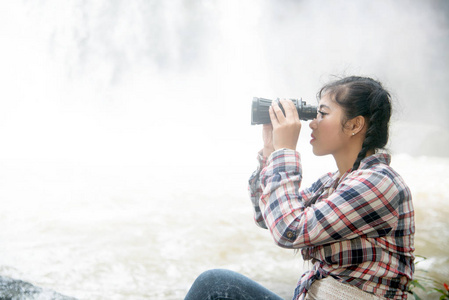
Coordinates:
[359,230]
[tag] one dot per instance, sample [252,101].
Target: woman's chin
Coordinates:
[317,152]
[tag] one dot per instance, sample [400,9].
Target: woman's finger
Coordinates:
[278,113]
[290,109]
[273,118]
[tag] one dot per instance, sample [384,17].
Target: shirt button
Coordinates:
[290,234]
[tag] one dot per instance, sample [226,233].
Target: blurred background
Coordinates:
[126,142]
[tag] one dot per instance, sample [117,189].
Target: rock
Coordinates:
[13,289]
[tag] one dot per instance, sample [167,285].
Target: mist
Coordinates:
[120,81]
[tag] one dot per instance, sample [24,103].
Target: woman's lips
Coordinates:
[313,138]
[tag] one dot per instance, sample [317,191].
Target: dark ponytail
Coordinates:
[362,96]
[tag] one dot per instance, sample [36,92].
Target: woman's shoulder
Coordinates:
[377,167]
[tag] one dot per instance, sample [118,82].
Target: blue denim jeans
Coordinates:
[224,284]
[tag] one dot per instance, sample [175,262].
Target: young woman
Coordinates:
[355,225]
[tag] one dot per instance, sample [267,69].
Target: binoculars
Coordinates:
[260,107]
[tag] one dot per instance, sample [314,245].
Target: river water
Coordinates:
[144,232]
[126,144]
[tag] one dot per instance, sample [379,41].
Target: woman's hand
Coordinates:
[267,135]
[286,128]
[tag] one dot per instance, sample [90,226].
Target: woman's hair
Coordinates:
[362,96]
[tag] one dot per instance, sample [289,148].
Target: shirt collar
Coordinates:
[366,163]
[378,158]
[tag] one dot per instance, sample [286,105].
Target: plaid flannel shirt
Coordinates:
[360,229]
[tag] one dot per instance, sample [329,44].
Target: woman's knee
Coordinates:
[214,276]
[208,284]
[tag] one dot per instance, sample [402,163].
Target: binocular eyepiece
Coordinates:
[260,107]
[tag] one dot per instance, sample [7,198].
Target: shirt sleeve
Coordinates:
[255,190]
[362,204]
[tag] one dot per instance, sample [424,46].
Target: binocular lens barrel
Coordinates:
[260,107]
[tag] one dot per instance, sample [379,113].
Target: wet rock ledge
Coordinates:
[13,289]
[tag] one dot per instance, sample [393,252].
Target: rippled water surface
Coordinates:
[97,232]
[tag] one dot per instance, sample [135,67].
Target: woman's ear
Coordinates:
[356,125]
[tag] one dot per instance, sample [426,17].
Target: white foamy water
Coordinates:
[126,144]
[143,232]
[130,232]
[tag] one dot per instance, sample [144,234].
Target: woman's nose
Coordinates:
[312,124]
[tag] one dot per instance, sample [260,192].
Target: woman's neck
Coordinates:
[346,161]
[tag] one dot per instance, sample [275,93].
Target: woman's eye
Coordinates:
[322,113]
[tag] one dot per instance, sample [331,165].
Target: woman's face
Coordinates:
[328,136]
